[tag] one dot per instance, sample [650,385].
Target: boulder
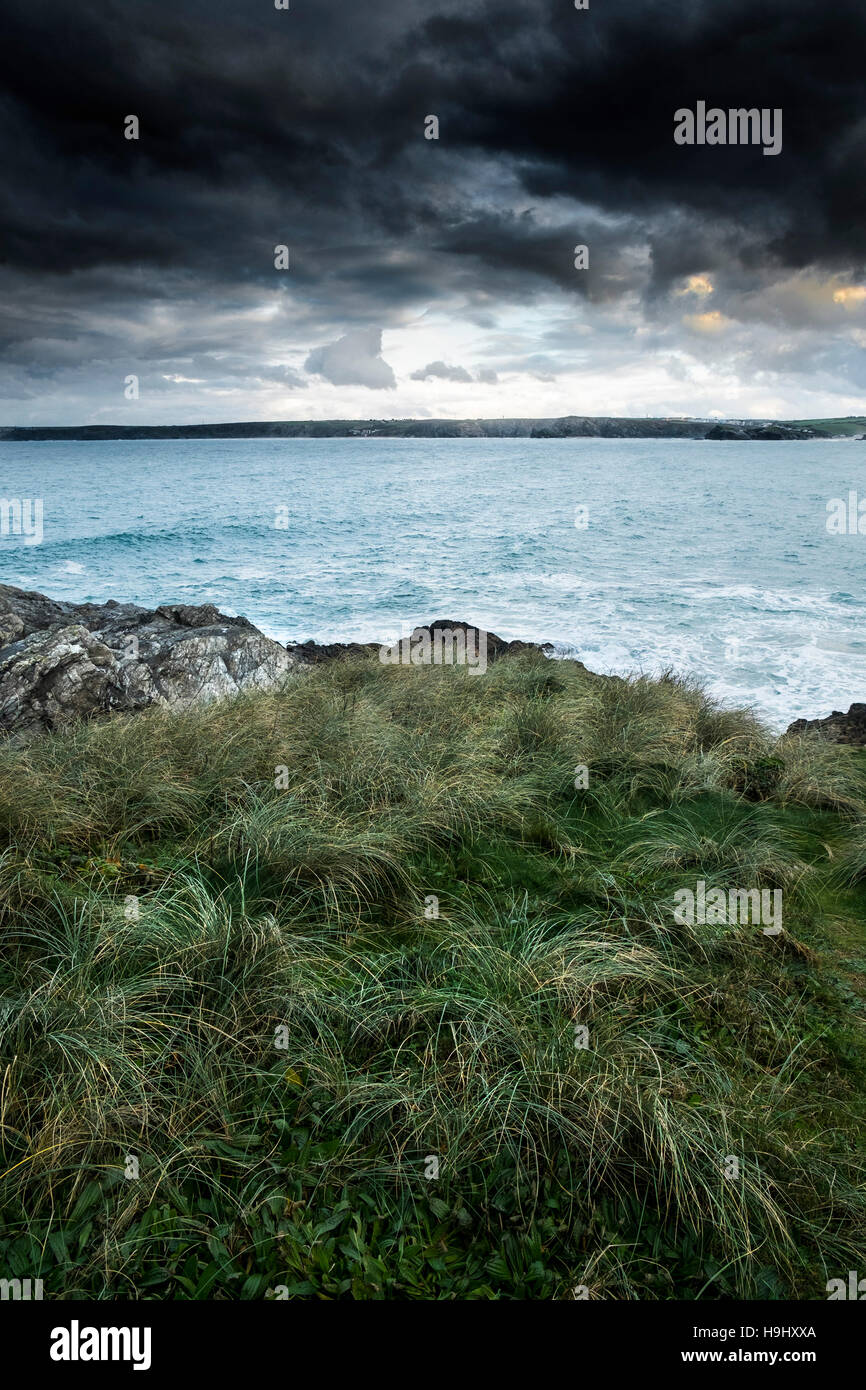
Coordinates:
[65,661]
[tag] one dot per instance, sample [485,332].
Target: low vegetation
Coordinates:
[269,967]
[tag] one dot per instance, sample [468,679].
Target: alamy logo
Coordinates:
[738,907]
[439,646]
[22,516]
[77,1343]
[733,127]
[20,1289]
[846,518]
[855,1289]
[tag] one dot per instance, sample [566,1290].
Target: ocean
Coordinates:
[632,555]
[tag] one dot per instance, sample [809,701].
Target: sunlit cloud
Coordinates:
[696,284]
[711,322]
[851,295]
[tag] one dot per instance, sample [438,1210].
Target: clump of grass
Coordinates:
[269,964]
[821,775]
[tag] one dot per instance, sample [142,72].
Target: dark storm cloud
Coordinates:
[252,114]
[306,127]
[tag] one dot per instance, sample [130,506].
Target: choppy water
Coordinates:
[712,558]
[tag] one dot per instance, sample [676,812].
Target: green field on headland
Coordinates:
[353,990]
[847,425]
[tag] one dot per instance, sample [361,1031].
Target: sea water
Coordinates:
[633,555]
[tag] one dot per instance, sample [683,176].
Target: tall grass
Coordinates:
[391,872]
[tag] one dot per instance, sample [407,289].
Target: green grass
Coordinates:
[307,907]
[846,424]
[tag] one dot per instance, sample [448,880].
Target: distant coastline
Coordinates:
[563,427]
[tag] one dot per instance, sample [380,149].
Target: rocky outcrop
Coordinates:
[60,662]
[767,431]
[847,728]
[313,653]
[65,661]
[495,646]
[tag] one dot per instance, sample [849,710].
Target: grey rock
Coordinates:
[60,662]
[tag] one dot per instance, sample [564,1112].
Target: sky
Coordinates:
[428,277]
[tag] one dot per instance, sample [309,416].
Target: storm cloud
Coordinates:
[259,128]
[354,360]
[442,371]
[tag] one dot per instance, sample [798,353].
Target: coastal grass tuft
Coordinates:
[393,872]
